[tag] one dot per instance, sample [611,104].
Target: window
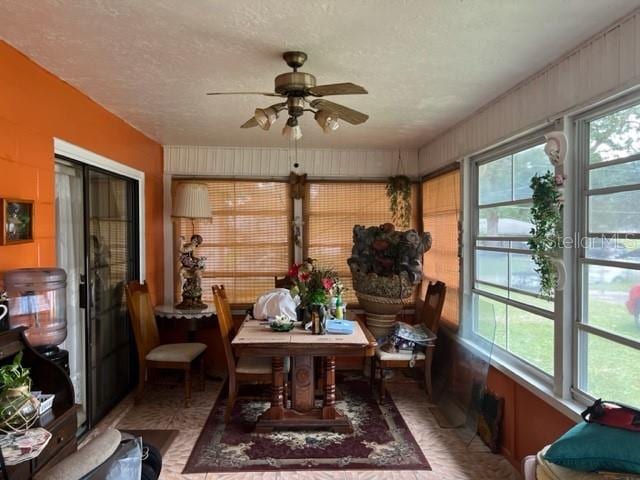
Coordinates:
[246,244]
[440,216]
[608,328]
[331,209]
[506,305]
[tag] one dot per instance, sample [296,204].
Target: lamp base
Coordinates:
[191,304]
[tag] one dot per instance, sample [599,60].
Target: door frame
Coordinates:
[74,152]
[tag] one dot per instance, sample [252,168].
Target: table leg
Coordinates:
[329,407]
[303,414]
[276,411]
[302,388]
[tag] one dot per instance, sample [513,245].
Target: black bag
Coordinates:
[151,462]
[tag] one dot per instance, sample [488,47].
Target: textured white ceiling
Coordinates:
[426,63]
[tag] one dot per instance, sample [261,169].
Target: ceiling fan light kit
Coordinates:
[292,130]
[295,87]
[265,117]
[328,121]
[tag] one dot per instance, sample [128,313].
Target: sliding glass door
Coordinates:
[98,211]
[111,262]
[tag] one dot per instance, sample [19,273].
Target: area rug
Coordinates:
[380,441]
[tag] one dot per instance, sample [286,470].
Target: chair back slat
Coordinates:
[432,307]
[143,321]
[225,322]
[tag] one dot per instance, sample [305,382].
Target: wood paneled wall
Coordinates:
[278,162]
[607,64]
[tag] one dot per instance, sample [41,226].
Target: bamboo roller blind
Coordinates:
[440,216]
[247,243]
[331,209]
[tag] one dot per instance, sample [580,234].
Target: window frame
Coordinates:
[582,171]
[469,329]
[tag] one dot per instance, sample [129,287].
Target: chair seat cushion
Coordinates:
[176,352]
[382,355]
[590,447]
[258,365]
[546,470]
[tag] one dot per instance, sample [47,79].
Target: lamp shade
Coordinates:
[191,201]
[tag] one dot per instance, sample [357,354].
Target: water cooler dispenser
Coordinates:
[37,299]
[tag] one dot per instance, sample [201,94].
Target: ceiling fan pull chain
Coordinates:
[400,165]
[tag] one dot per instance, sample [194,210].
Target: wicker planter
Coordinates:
[386,266]
[380,312]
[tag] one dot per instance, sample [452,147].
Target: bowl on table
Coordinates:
[281,323]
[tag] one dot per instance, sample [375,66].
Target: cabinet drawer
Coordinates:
[63,435]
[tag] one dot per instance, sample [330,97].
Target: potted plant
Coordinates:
[14,378]
[399,194]
[313,285]
[18,408]
[546,234]
[386,266]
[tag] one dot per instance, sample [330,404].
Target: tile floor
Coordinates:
[449,458]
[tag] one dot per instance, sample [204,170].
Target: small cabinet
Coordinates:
[61,420]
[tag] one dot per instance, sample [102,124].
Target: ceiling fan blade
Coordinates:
[267,94]
[345,113]
[249,123]
[336,89]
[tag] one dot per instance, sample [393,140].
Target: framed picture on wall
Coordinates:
[17,221]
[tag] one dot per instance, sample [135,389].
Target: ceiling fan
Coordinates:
[295,87]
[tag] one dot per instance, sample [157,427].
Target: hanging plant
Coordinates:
[399,193]
[546,234]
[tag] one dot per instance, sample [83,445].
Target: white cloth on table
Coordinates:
[275,302]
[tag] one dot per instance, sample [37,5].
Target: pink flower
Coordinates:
[293,270]
[327,283]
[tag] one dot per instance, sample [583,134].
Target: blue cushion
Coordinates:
[590,447]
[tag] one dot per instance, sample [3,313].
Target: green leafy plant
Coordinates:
[399,194]
[14,375]
[312,282]
[546,234]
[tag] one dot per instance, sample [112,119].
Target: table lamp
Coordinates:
[191,201]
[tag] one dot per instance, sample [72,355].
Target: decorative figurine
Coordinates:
[191,267]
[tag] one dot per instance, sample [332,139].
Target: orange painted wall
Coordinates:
[529,423]
[35,107]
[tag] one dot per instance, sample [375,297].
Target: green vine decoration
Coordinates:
[546,234]
[399,194]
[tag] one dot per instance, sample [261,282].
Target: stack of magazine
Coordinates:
[22,446]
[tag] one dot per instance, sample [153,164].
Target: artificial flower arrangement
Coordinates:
[314,284]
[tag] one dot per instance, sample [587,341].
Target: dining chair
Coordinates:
[244,369]
[430,318]
[284,282]
[151,353]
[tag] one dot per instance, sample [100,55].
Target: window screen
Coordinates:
[440,216]
[331,210]
[247,242]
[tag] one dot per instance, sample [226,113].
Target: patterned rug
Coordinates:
[380,441]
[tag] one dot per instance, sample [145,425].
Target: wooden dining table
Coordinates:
[254,338]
